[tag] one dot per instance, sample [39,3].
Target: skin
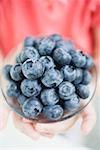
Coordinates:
[35,130]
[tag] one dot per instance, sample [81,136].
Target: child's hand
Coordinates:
[26,128]
[88,120]
[4,113]
[34,130]
[29,127]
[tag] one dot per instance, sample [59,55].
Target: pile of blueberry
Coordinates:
[49,77]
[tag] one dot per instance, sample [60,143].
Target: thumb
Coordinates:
[4,114]
[88,119]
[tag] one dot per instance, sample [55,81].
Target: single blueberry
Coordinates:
[53,112]
[60,44]
[32,69]
[82,91]
[13,90]
[18,58]
[89,62]
[69,44]
[61,56]
[78,59]
[29,41]
[79,76]
[55,37]
[52,78]
[29,52]
[21,99]
[49,97]
[86,77]
[30,87]
[65,44]
[32,107]
[72,52]
[66,89]
[73,103]
[46,46]
[16,72]
[37,42]
[47,62]
[69,73]
[6,72]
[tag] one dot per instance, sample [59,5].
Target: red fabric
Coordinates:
[71,18]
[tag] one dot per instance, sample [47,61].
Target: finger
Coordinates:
[55,128]
[88,119]
[26,128]
[26,120]
[48,135]
[4,114]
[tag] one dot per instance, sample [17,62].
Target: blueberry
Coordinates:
[82,91]
[32,69]
[72,52]
[66,89]
[6,71]
[60,43]
[65,44]
[32,107]
[78,59]
[30,87]
[68,44]
[89,62]
[46,46]
[52,78]
[79,76]
[29,41]
[29,52]
[47,62]
[68,97]
[13,90]
[18,58]
[61,56]
[73,103]
[55,37]
[16,72]
[49,97]
[53,112]
[69,73]
[21,99]
[86,77]
[37,42]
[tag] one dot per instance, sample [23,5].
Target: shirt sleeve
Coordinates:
[96,15]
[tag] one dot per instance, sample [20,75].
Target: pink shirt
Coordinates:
[74,19]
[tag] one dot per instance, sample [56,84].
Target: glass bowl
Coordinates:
[14,105]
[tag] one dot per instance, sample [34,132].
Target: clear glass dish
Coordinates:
[14,105]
